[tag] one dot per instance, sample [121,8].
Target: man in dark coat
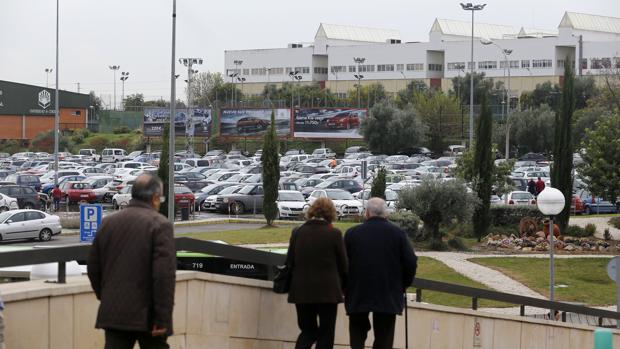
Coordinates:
[382,265]
[531,187]
[132,267]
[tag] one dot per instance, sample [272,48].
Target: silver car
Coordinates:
[28,224]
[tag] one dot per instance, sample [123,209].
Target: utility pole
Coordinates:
[56,106]
[47,76]
[359,77]
[78,87]
[114,68]
[189,122]
[124,77]
[173,103]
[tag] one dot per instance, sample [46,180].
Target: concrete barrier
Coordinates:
[215,311]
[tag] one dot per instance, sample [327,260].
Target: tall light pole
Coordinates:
[189,130]
[173,103]
[56,102]
[114,68]
[47,76]
[336,86]
[359,77]
[241,79]
[506,53]
[296,76]
[124,77]
[473,8]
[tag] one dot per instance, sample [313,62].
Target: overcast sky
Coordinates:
[136,34]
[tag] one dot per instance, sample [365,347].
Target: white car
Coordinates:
[28,224]
[291,204]
[121,199]
[7,203]
[99,185]
[519,198]
[345,203]
[391,198]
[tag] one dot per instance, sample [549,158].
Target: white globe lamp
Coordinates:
[550,202]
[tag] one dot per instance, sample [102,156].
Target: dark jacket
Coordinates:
[382,265]
[320,264]
[132,267]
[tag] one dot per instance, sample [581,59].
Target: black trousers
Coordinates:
[321,332]
[383,325]
[115,339]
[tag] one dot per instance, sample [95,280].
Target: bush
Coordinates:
[98,142]
[121,129]
[607,235]
[504,215]
[577,231]
[465,230]
[615,222]
[408,222]
[437,245]
[456,243]
[590,229]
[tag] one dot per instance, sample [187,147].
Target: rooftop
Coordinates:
[351,33]
[587,22]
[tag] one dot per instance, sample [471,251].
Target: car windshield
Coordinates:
[324,184]
[181,190]
[340,195]
[229,190]
[246,190]
[521,196]
[5,215]
[290,196]
[85,152]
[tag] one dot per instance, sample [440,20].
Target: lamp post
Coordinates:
[47,76]
[295,76]
[550,203]
[173,79]
[359,77]
[336,86]
[241,79]
[506,53]
[56,101]
[124,77]
[232,92]
[189,129]
[237,72]
[473,8]
[114,68]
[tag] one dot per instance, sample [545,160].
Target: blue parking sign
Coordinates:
[90,221]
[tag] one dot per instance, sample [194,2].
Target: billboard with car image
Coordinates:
[251,122]
[198,125]
[328,122]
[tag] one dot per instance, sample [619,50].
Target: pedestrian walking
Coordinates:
[540,186]
[382,265]
[319,266]
[56,196]
[531,187]
[131,268]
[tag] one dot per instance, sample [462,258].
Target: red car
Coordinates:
[76,192]
[576,205]
[345,120]
[183,197]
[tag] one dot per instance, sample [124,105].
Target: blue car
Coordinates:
[47,188]
[595,205]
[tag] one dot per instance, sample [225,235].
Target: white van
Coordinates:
[112,155]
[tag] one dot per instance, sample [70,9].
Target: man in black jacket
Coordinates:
[131,268]
[382,265]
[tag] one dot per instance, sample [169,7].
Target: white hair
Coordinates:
[376,207]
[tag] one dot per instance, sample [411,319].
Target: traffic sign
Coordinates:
[613,271]
[90,221]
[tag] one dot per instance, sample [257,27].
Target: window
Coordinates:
[320,70]
[560,63]
[31,216]
[367,68]
[19,217]
[352,69]
[288,70]
[385,67]
[456,65]
[415,66]
[511,64]
[435,67]
[542,63]
[487,65]
[400,67]
[471,65]
[525,63]
[303,70]
[600,63]
[338,68]
[276,71]
[246,71]
[584,63]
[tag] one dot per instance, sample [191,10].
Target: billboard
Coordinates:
[253,122]
[328,122]
[198,125]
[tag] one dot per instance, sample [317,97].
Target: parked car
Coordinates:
[595,205]
[193,180]
[75,192]
[183,197]
[251,124]
[576,205]
[112,155]
[89,154]
[24,179]
[28,224]
[99,185]
[323,153]
[249,198]
[213,202]
[8,203]
[355,149]
[207,191]
[122,198]
[519,198]
[345,203]
[26,197]
[47,188]
[391,199]
[291,204]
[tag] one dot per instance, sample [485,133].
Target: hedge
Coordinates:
[504,215]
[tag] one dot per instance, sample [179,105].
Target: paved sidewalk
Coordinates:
[601,223]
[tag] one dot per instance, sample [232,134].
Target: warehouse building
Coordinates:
[591,43]
[27,110]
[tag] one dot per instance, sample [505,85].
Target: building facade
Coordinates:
[590,42]
[28,110]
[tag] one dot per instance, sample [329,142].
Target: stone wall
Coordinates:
[214,311]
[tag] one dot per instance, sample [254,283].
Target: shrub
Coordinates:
[590,229]
[408,222]
[461,230]
[607,234]
[121,129]
[457,243]
[577,231]
[98,143]
[437,245]
[615,222]
[504,215]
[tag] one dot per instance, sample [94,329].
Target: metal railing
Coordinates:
[61,255]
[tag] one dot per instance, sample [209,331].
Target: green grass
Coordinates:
[431,269]
[267,235]
[586,278]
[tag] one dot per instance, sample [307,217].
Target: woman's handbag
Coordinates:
[284,273]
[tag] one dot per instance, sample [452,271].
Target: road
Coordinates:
[75,239]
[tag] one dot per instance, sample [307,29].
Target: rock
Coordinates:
[569,247]
[540,234]
[526,249]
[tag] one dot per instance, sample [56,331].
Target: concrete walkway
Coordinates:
[601,224]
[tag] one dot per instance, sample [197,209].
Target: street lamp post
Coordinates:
[241,79]
[473,8]
[295,76]
[173,78]
[359,77]
[336,86]
[124,77]
[550,203]
[47,76]
[56,101]
[506,53]
[189,131]
[114,68]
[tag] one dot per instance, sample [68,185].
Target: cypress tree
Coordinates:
[483,169]
[162,172]
[561,172]
[271,172]
[378,184]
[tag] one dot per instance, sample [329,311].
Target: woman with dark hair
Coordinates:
[319,266]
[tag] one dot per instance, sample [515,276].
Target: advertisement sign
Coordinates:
[328,123]
[198,125]
[253,122]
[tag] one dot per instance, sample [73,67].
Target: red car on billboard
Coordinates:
[250,124]
[345,120]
